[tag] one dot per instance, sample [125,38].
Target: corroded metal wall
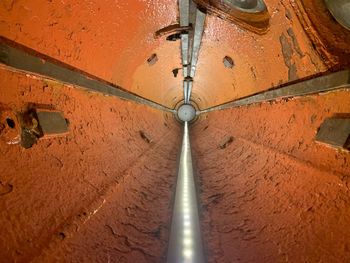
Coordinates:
[113,40]
[103,193]
[109,39]
[269,192]
[108,165]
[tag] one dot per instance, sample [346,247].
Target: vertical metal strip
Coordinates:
[189,91]
[184,53]
[186,91]
[198,33]
[184,7]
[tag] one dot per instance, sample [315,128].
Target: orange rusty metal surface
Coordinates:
[103,193]
[269,192]
[114,39]
[109,39]
[134,224]
[48,192]
[331,40]
[281,55]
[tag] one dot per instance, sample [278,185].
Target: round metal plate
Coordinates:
[186,112]
[340,9]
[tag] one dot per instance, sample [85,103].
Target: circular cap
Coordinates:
[186,112]
[340,9]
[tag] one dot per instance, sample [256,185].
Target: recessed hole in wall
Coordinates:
[145,137]
[175,72]
[152,59]
[5,188]
[226,142]
[62,235]
[11,123]
[228,62]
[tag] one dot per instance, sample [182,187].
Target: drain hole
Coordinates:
[152,59]
[11,123]
[175,72]
[228,62]
[145,137]
[226,142]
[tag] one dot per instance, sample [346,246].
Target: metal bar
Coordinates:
[184,7]
[190,43]
[185,71]
[192,21]
[189,91]
[185,243]
[24,61]
[198,33]
[333,81]
[184,53]
[186,91]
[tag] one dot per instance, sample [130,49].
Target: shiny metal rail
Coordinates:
[185,244]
